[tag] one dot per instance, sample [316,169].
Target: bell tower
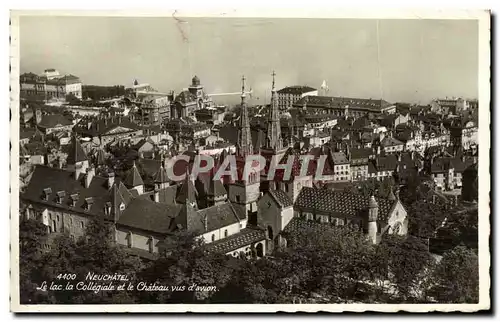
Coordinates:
[244,192]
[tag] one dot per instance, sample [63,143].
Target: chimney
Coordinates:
[90,175]
[111,179]
[378,150]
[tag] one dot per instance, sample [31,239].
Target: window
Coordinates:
[238,198]
[225,233]
[82,225]
[213,237]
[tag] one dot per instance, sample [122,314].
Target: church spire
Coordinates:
[244,137]
[274,140]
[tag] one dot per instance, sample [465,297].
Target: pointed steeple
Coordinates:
[274,140]
[187,193]
[161,177]
[76,153]
[244,144]
[134,180]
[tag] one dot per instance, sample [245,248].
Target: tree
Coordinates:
[185,262]
[94,253]
[407,261]
[424,218]
[456,278]
[32,234]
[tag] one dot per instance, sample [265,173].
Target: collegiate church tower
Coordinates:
[244,193]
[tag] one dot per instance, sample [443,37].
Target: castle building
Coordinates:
[50,85]
[188,101]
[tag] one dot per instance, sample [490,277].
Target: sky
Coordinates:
[398,60]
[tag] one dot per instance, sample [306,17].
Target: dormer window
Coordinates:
[60,196]
[46,193]
[122,206]
[88,203]
[107,208]
[74,199]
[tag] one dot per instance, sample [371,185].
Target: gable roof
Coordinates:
[75,152]
[133,178]
[150,216]
[342,204]
[59,180]
[218,216]
[296,90]
[281,198]
[246,236]
[52,120]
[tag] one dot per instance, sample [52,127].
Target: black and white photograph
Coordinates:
[234,163]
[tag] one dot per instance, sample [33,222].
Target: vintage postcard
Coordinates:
[243,161]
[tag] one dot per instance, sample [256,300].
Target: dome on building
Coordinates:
[196,81]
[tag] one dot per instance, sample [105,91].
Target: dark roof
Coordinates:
[166,195]
[216,188]
[296,90]
[75,152]
[442,164]
[95,126]
[59,180]
[341,102]
[217,217]
[150,216]
[161,175]
[133,178]
[342,204]
[389,141]
[386,162]
[363,153]
[281,198]
[187,191]
[245,237]
[53,120]
[298,224]
[26,133]
[185,97]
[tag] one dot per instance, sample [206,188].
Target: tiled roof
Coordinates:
[341,102]
[185,97]
[149,216]
[298,224]
[166,195]
[161,175]
[245,237]
[93,126]
[217,217]
[343,204]
[75,152]
[363,153]
[59,180]
[281,198]
[388,141]
[386,162]
[339,158]
[296,90]
[52,120]
[26,133]
[133,178]
[187,191]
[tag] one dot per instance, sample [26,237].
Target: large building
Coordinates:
[49,86]
[344,106]
[153,108]
[188,101]
[289,95]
